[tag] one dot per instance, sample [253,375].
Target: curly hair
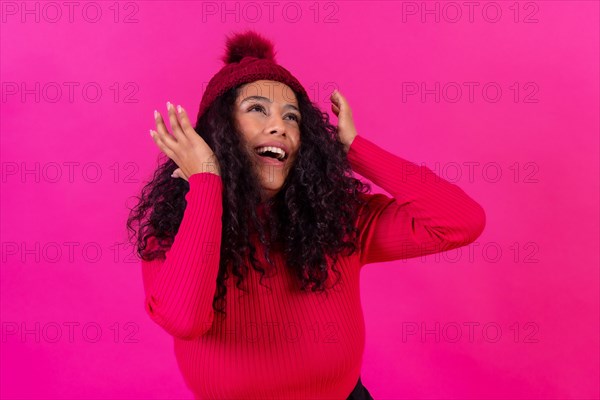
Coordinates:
[312,217]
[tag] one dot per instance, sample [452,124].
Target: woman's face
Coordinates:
[267,115]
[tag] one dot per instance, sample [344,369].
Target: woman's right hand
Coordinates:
[185,147]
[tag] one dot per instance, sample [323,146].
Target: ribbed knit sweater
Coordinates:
[284,343]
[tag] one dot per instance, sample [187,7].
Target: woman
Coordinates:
[264,180]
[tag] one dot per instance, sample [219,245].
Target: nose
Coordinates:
[275,124]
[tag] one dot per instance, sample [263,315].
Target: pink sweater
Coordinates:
[284,343]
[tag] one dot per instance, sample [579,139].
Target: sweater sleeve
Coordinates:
[179,288]
[426,215]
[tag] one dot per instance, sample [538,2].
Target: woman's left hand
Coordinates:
[346,129]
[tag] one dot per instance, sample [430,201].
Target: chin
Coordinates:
[271,189]
[272,181]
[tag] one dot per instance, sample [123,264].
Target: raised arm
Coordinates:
[426,215]
[180,288]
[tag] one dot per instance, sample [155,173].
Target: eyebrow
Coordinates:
[261,98]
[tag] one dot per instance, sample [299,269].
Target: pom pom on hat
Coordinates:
[248,44]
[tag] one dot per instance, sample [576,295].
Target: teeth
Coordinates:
[276,150]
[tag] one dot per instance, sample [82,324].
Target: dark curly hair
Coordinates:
[312,218]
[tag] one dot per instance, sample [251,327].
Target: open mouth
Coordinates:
[271,155]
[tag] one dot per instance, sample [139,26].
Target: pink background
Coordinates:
[533,273]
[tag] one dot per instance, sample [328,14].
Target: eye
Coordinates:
[256,106]
[296,118]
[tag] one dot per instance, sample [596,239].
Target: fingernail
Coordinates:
[151,132]
[179,109]
[155,114]
[169,105]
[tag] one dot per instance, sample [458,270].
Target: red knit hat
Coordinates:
[248,57]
